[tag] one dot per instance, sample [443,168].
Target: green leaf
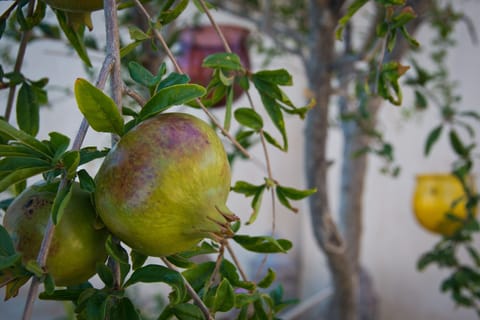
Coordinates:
[71,161]
[351,10]
[198,275]
[157,273]
[6,244]
[180,261]
[138,259]
[61,201]
[167,16]
[275,112]
[86,181]
[49,284]
[116,251]
[286,193]
[58,143]
[268,280]
[98,108]
[229,271]
[34,268]
[228,109]
[224,299]
[9,261]
[172,79]
[223,60]
[18,150]
[24,138]
[432,138]
[105,274]
[140,74]
[271,140]
[171,96]
[120,309]
[255,204]
[182,311]
[296,194]
[246,188]
[421,102]
[457,144]
[280,77]
[129,48]
[88,154]
[74,37]
[15,163]
[249,118]
[137,34]
[20,175]
[70,294]
[28,112]
[263,244]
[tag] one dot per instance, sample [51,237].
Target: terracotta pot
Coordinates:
[436,195]
[198,42]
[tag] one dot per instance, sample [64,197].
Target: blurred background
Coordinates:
[392,240]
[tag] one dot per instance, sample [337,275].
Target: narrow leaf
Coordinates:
[157,273]
[20,175]
[71,161]
[249,118]
[61,201]
[457,144]
[23,137]
[296,194]
[9,261]
[432,139]
[268,280]
[6,243]
[140,74]
[74,37]
[263,244]
[223,60]
[116,251]
[279,77]
[224,297]
[28,112]
[86,181]
[98,108]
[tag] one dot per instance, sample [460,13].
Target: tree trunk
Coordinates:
[343,305]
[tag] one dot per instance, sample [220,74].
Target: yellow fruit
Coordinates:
[435,196]
[163,187]
[77,245]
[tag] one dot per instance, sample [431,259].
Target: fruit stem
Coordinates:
[78,141]
[236,261]
[19,60]
[198,301]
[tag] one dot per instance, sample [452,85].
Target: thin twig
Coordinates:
[170,55]
[236,261]
[134,95]
[18,62]
[116,87]
[262,135]
[215,26]
[198,301]
[50,228]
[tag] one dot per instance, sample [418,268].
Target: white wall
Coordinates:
[392,240]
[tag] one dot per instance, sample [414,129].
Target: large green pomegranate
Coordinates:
[77,245]
[77,11]
[164,185]
[76,5]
